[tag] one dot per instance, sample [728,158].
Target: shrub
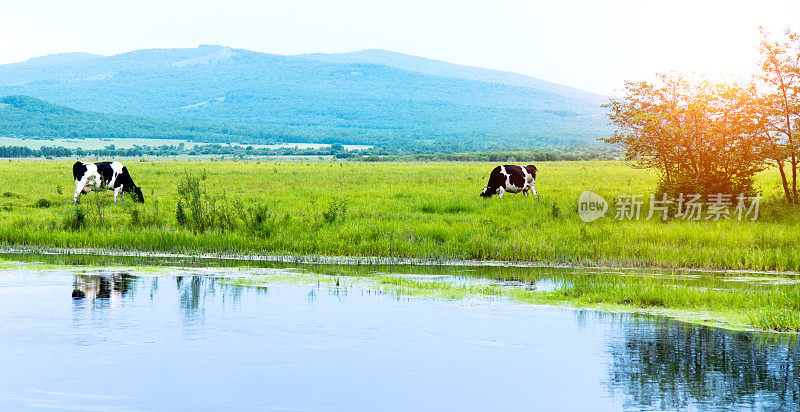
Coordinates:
[227,213]
[180,214]
[197,204]
[260,220]
[143,214]
[199,211]
[136,218]
[337,210]
[99,204]
[43,203]
[76,219]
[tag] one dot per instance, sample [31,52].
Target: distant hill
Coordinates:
[61,59]
[440,68]
[28,117]
[369,97]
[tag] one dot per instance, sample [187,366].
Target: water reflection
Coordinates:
[101,289]
[662,364]
[311,296]
[652,363]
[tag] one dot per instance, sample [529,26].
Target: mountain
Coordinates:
[370,97]
[440,68]
[28,117]
[61,58]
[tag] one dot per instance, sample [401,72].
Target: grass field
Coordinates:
[415,210]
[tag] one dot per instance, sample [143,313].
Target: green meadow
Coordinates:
[428,211]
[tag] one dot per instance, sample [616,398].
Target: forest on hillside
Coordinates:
[336,150]
[27,117]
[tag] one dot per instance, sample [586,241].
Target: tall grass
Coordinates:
[419,210]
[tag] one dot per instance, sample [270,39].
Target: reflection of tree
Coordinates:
[102,287]
[195,289]
[191,291]
[664,364]
[101,291]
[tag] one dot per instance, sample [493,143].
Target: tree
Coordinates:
[702,137]
[780,101]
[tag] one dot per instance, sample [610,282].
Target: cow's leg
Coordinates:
[500,191]
[525,192]
[533,188]
[80,185]
[117,191]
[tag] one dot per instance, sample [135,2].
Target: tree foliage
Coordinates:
[702,137]
[713,138]
[779,100]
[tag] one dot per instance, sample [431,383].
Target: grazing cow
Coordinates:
[511,178]
[104,175]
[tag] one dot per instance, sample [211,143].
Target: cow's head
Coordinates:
[486,192]
[137,194]
[532,170]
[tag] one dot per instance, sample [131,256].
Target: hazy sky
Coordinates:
[590,44]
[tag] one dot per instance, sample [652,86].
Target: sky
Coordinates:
[593,45]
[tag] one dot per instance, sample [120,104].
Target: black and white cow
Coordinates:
[104,175]
[511,178]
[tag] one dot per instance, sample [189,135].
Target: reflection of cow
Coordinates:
[94,287]
[511,178]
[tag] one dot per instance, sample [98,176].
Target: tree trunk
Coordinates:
[794,178]
[791,143]
[666,170]
[785,183]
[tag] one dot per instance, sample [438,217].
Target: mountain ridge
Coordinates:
[347,97]
[59,58]
[443,68]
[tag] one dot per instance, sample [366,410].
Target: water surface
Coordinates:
[97,339]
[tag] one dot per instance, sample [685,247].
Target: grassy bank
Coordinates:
[416,210]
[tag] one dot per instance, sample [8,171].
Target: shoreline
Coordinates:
[716,314]
[362,260]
